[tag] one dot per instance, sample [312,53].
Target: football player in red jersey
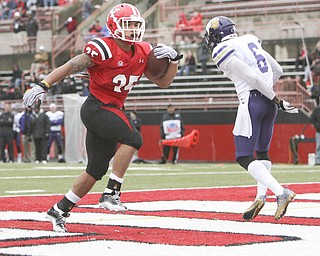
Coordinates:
[115,65]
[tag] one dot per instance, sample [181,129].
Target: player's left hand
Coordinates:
[285,106]
[163,51]
[34,95]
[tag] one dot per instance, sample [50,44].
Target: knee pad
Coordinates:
[97,172]
[244,161]
[135,141]
[263,156]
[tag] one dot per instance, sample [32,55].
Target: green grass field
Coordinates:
[54,178]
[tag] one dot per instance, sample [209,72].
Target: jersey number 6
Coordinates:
[261,61]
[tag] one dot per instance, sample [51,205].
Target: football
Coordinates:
[156,67]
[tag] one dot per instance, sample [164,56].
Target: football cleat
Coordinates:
[57,218]
[254,209]
[112,202]
[283,202]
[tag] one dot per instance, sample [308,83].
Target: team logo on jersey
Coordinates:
[120,63]
[215,23]
[141,61]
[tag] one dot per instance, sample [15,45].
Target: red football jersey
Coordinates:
[116,71]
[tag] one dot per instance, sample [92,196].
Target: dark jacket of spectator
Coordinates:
[32,26]
[6,124]
[40,125]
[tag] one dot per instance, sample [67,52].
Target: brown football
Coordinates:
[156,67]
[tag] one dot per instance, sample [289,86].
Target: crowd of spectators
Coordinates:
[9,7]
[188,29]
[32,131]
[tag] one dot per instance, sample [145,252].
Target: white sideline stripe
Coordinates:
[151,174]
[25,191]
[7,233]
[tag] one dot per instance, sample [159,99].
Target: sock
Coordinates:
[262,189]
[260,173]
[114,183]
[68,201]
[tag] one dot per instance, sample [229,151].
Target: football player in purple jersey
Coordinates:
[254,73]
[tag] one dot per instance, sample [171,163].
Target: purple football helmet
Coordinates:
[218,28]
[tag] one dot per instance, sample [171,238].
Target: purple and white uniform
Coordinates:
[253,72]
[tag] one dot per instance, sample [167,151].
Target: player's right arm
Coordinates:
[37,92]
[276,68]
[74,65]
[241,69]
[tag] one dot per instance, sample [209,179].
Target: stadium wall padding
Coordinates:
[216,139]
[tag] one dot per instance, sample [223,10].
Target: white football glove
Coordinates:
[163,51]
[285,106]
[34,95]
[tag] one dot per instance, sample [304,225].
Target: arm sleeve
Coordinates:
[276,68]
[243,70]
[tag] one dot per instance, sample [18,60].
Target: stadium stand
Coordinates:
[195,91]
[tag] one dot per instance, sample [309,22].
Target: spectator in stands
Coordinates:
[87,9]
[6,134]
[16,76]
[315,71]
[95,29]
[4,92]
[32,5]
[189,65]
[196,22]
[16,131]
[22,8]
[300,61]
[32,30]
[40,133]
[40,65]
[71,24]
[11,7]
[171,127]
[2,10]
[317,49]
[19,29]
[15,94]
[315,121]
[56,121]
[64,2]
[202,54]
[49,3]
[25,123]
[182,28]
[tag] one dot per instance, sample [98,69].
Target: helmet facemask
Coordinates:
[123,26]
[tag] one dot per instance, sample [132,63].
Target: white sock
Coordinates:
[116,178]
[72,197]
[262,189]
[260,173]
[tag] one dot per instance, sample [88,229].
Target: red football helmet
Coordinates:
[119,19]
